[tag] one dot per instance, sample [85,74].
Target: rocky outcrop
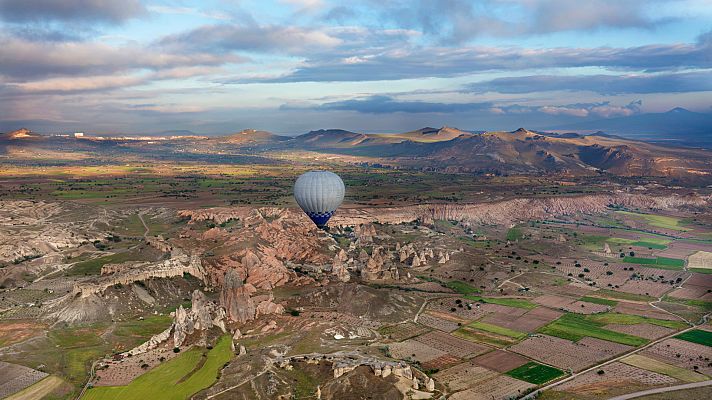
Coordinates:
[338,268]
[510,211]
[176,266]
[240,306]
[151,343]
[159,243]
[235,298]
[200,317]
[379,267]
[344,362]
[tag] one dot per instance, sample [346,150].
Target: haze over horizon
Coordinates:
[289,66]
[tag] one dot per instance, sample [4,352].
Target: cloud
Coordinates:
[387,105]
[602,84]
[382,105]
[80,84]
[266,38]
[309,6]
[107,11]
[408,62]
[23,60]
[600,109]
[219,15]
[460,20]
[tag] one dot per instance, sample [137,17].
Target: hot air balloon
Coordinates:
[319,194]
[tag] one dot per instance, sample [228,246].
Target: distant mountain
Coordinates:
[22,133]
[330,138]
[433,134]
[522,151]
[178,132]
[678,125]
[252,136]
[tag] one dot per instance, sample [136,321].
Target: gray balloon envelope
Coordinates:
[319,194]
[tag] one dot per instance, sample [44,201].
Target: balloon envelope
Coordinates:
[319,194]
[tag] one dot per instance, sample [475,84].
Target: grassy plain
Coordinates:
[176,379]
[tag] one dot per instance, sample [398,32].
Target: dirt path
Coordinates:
[662,390]
[140,217]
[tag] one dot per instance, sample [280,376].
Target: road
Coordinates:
[662,390]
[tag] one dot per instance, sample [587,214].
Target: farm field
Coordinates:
[518,303]
[402,332]
[500,361]
[177,372]
[598,300]
[40,390]
[575,327]
[497,330]
[659,262]
[474,335]
[535,373]
[660,221]
[697,336]
[660,367]
[566,354]
[649,242]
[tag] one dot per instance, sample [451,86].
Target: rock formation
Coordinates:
[201,316]
[377,267]
[338,267]
[235,298]
[124,274]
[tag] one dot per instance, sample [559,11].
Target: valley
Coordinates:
[187,262]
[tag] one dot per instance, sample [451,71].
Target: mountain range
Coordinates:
[442,149]
[678,125]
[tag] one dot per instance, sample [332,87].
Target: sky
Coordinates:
[290,66]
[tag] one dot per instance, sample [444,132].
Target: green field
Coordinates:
[461,287]
[701,270]
[705,305]
[535,373]
[623,296]
[628,319]
[650,242]
[497,330]
[576,327]
[660,221]
[659,262]
[178,378]
[517,303]
[514,234]
[597,300]
[697,336]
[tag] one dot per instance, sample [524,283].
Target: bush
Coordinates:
[176,350]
